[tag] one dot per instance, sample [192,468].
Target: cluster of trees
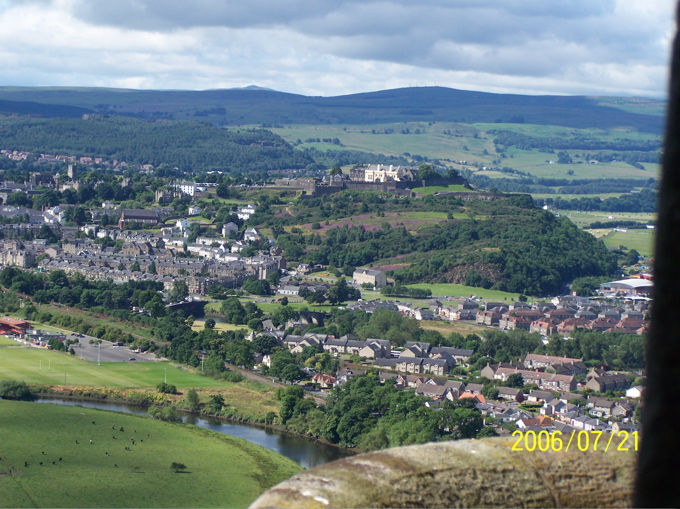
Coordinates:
[363,413]
[643,201]
[19,391]
[77,291]
[339,292]
[525,142]
[234,312]
[558,186]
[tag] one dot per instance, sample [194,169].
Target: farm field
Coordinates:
[462,145]
[221,471]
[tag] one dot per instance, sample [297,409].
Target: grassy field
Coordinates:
[222,471]
[5,341]
[585,219]
[446,328]
[640,240]
[48,367]
[455,290]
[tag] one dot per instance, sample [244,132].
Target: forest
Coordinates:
[189,146]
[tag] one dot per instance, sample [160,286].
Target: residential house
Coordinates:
[608,383]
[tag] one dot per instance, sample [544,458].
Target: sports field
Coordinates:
[221,471]
[47,367]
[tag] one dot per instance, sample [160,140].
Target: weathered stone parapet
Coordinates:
[465,473]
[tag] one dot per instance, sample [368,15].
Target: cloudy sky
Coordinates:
[336,47]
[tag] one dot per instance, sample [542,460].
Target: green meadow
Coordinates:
[221,471]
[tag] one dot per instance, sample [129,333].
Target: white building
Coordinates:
[188,188]
[245,212]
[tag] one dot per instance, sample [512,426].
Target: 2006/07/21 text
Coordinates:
[582,440]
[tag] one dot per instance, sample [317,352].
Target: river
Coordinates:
[305,452]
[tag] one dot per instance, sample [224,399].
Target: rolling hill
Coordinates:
[250,106]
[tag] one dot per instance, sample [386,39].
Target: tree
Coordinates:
[632,257]
[427,172]
[179,292]
[216,403]
[214,362]
[487,432]
[11,389]
[265,344]
[233,311]
[209,323]
[516,380]
[192,400]
[257,286]
[490,392]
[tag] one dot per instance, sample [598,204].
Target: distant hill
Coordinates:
[254,105]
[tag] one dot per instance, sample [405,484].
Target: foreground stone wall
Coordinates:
[465,473]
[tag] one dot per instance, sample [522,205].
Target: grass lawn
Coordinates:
[446,328]
[5,341]
[47,367]
[222,471]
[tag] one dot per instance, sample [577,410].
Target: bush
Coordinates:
[178,467]
[166,413]
[234,377]
[166,388]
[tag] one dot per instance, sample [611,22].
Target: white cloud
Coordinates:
[326,47]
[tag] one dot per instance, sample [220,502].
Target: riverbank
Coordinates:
[148,398]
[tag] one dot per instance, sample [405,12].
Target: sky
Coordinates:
[338,47]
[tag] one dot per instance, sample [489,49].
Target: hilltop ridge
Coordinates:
[256,105]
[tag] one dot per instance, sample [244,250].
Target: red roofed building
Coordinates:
[8,324]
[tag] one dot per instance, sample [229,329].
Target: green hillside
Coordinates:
[83,465]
